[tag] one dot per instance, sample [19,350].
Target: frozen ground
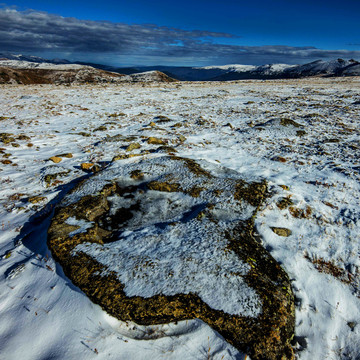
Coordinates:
[302,136]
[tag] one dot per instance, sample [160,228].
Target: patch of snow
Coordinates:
[82,224]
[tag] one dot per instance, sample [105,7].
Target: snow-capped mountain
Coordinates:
[30,58]
[322,68]
[338,67]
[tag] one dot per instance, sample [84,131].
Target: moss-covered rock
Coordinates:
[181,207]
[55,159]
[133,146]
[155,141]
[281,231]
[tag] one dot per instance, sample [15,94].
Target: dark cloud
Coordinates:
[39,32]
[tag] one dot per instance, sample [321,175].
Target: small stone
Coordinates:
[6,162]
[101,128]
[86,166]
[37,199]
[182,138]
[167,149]
[162,119]
[152,124]
[155,141]
[23,137]
[283,203]
[281,231]
[124,156]
[133,146]
[279,158]
[300,133]
[55,159]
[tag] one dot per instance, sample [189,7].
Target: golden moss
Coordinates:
[163,186]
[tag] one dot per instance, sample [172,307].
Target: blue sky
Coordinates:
[198,32]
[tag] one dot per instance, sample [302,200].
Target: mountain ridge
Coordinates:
[319,68]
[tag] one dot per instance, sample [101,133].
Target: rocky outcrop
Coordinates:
[168,239]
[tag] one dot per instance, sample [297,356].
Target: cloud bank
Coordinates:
[35,32]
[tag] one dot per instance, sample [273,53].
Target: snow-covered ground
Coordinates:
[302,136]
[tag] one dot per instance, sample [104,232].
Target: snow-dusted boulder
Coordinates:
[166,239]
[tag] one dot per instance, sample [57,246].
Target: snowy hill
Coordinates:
[22,64]
[31,58]
[148,76]
[322,68]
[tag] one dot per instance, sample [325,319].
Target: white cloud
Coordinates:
[39,32]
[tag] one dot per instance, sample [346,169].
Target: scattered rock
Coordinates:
[352,324]
[162,119]
[186,219]
[86,166]
[133,146]
[281,231]
[37,199]
[155,141]
[124,156]
[300,133]
[182,138]
[6,138]
[289,122]
[166,149]
[55,159]
[23,137]
[279,159]
[85,134]
[51,177]
[101,128]
[300,213]
[284,203]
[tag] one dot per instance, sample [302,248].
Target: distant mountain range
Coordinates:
[338,67]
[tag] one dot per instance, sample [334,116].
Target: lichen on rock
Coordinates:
[168,239]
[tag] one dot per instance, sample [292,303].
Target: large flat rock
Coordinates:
[167,239]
